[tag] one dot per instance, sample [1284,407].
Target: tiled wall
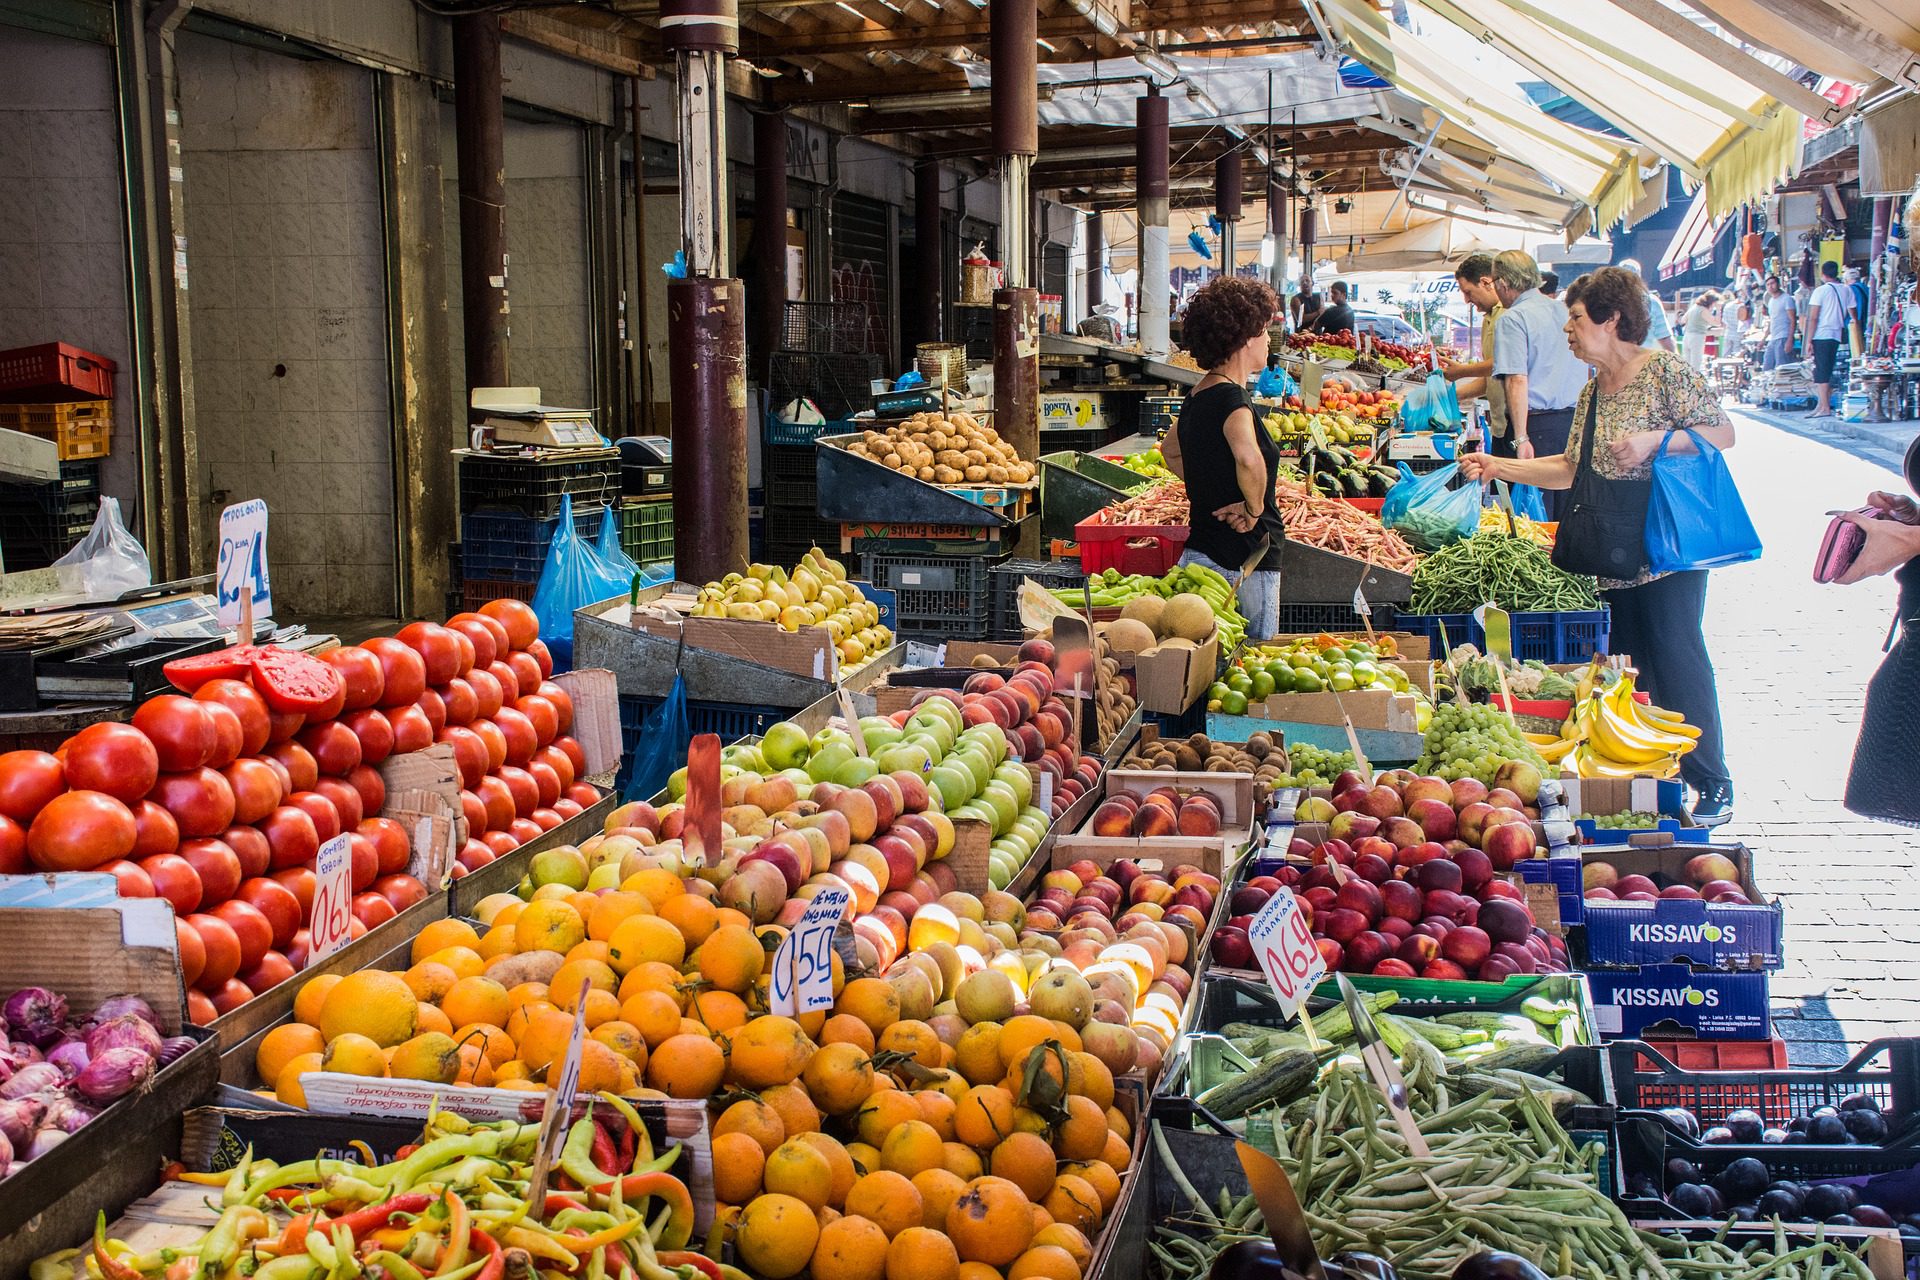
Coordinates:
[63,257]
[287,287]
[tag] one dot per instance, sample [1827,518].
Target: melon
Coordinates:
[1130,635]
[1146,610]
[1189,617]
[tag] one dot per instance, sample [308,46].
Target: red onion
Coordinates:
[174,1048]
[71,1056]
[6,1155]
[19,1117]
[114,1074]
[125,1007]
[43,1142]
[68,1115]
[35,1077]
[125,1032]
[36,1014]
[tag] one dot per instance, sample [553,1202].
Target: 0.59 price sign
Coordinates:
[802,979]
[1284,945]
[332,899]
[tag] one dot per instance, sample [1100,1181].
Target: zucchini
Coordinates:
[1277,1079]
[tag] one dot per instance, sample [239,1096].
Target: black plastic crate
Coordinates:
[1183,725]
[837,383]
[503,546]
[790,476]
[475,592]
[533,485]
[792,530]
[646,530]
[1888,1071]
[932,589]
[1004,583]
[1157,413]
[1300,617]
[1073,439]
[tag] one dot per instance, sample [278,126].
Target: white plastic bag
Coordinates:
[111,559]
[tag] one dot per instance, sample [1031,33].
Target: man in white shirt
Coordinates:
[1659,327]
[1530,353]
[1829,312]
[1780,317]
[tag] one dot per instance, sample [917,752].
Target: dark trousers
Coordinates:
[1658,627]
[1547,431]
[1500,446]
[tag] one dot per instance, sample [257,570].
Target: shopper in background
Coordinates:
[1884,782]
[1659,328]
[1857,287]
[1550,283]
[1828,314]
[1530,352]
[1637,396]
[1475,276]
[1229,464]
[1700,320]
[1310,307]
[1782,320]
[1338,317]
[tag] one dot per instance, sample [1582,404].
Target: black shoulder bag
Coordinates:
[1603,532]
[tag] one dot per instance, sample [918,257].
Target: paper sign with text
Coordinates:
[1284,946]
[242,563]
[802,980]
[553,1126]
[332,898]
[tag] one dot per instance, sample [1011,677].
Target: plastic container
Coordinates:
[839,384]
[1299,618]
[934,589]
[506,547]
[476,592]
[1004,581]
[533,484]
[55,371]
[1570,636]
[788,475]
[80,429]
[1754,1075]
[646,529]
[1150,549]
[731,721]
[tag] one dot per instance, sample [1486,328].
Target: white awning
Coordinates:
[1692,241]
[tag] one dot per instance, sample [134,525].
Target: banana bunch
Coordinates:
[815,594]
[1610,735]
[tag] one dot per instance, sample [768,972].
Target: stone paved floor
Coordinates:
[1793,659]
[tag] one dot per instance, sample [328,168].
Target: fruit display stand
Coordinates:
[1589,799]
[857,490]
[502,874]
[1748,933]
[1239,826]
[1075,485]
[1386,724]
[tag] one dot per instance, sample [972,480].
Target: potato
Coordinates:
[529,966]
[923,473]
[996,475]
[891,460]
[976,474]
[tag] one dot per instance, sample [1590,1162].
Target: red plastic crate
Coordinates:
[54,371]
[1729,1056]
[476,592]
[1369,505]
[1151,549]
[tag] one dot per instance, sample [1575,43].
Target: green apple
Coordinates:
[1016,777]
[990,737]
[934,727]
[936,750]
[746,757]
[856,771]
[999,797]
[827,737]
[677,783]
[785,745]
[827,759]
[879,737]
[802,781]
[903,755]
[955,785]
[974,760]
[943,708]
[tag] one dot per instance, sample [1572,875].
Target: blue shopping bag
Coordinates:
[662,748]
[573,577]
[1695,519]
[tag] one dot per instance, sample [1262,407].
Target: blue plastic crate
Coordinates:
[1459,627]
[730,720]
[803,434]
[1571,636]
[500,546]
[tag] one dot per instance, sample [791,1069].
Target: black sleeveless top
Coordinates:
[1213,484]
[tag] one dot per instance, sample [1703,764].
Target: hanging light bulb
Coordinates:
[1266,251]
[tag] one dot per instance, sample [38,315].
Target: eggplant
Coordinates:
[1250,1260]
[1681,1121]
[1359,1266]
[1717,1136]
[1694,1199]
[1859,1102]
[1746,1125]
[1827,1199]
[1743,1180]
[1828,1130]
[1780,1203]
[1865,1125]
[1681,1170]
[1872,1215]
[1497,1266]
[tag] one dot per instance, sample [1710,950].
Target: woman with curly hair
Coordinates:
[1217,447]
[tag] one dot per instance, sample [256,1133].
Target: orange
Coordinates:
[372,1003]
[440,935]
[887,1199]
[429,1056]
[1021,1033]
[623,1038]
[720,1010]
[884,1111]
[731,959]
[512,1070]
[770,1050]
[545,1040]
[306,1005]
[1087,1074]
[1098,1175]
[497,1044]
[353,1054]
[520,1019]
[1118,1122]
[588,950]
[638,939]
[844,1028]
[654,1013]
[654,975]
[1062,1236]
[872,1000]
[865,1158]
[656,884]
[737,1162]
[472,1000]
[1025,1160]
[1083,1134]
[475,1069]
[288,1088]
[938,1190]
[1118,1153]
[526,993]
[429,1018]
[838,1161]
[692,915]
[984,1116]
[1044,1262]
[730,916]
[979,1271]
[464,961]
[497,941]
[602,1007]
[776,1237]
[921,1254]
[961,1160]
[911,1148]
[991,1222]
[795,1108]
[977,1055]
[686,1067]
[797,1169]
[850,1249]
[609,909]
[573,978]
[937,1109]
[550,925]
[601,1067]
[756,1119]
[1074,1202]
[282,1045]
[915,1039]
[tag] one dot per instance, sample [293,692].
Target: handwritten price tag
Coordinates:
[242,563]
[332,899]
[1284,945]
[560,1091]
[803,967]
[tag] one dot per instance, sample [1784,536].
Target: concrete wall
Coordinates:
[63,250]
[287,269]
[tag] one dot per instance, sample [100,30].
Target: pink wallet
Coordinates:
[1841,546]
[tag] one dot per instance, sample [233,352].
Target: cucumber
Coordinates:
[1277,1079]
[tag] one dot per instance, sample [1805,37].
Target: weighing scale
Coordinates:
[647,464]
[516,417]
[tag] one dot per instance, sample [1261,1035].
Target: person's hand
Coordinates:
[1236,517]
[1480,466]
[1523,449]
[1633,451]
[1897,506]
[1889,545]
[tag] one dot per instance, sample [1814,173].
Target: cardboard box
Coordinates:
[1605,796]
[1212,854]
[1677,930]
[1411,648]
[1676,1001]
[809,651]
[1072,411]
[1171,680]
[1368,709]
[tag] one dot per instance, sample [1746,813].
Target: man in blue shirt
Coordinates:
[1659,328]
[1531,356]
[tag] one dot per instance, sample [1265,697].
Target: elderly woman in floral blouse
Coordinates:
[1636,397]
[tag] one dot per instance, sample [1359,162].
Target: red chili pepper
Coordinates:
[555,1203]
[605,1156]
[172,1171]
[627,1144]
[688,1258]
[294,1238]
[286,1194]
[380,1215]
[496,1266]
[406,1151]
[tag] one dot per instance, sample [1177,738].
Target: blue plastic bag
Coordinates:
[1695,519]
[1432,404]
[1432,515]
[574,576]
[662,747]
[1528,503]
[1409,488]
[1275,383]
[608,547]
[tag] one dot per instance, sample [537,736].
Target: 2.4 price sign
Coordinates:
[242,564]
[802,979]
[1284,945]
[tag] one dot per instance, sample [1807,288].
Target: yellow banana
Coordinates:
[1557,750]
[1623,740]
[1625,708]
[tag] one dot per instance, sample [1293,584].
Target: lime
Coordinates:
[1263,684]
[1342,681]
[1216,691]
[1234,704]
[1283,679]
[1365,673]
[1305,681]
[1239,682]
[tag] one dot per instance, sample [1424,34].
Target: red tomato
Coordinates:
[562,702]
[200,800]
[346,801]
[434,707]
[231,995]
[255,854]
[273,969]
[439,651]
[335,748]
[558,761]
[299,882]
[498,798]
[461,702]
[389,842]
[193,956]
[522,738]
[256,789]
[583,794]
[256,722]
[545,819]
[302,769]
[13,848]
[114,758]
[543,656]
[293,681]
[325,818]
[28,780]
[134,883]
[469,753]
[474,810]
[360,670]
[297,949]
[200,1010]
[525,791]
[229,733]
[518,617]
[356,928]
[223,951]
[527,674]
[283,725]
[473,855]
[566,808]
[412,731]
[401,890]
[524,829]
[496,741]
[509,682]
[372,788]
[500,842]
[218,867]
[465,624]
[253,929]
[545,716]
[375,732]
[182,731]
[155,831]
[467,652]
[79,830]
[574,753]
[546,780]
[365,861]
[372,910]
[276,903]
[174,879]
[486,692]
[281,772]
[293,838]
[403,672]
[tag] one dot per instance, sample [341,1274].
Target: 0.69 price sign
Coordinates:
[1284,945]
[802,979]
[332,899]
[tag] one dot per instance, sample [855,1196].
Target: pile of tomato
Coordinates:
[219,797]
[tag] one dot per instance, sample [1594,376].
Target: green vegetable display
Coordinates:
[1515,573]
[1111,587]
[1473,742]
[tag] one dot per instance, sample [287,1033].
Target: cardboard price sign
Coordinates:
[560,1091]
[1284,945]
[332,898]
[240,577]
[802,980]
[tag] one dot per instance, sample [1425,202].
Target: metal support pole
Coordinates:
[1229,183]
[930,300]
[641,412]
[1150,141]
[706,321]
[1277,228]
[769,305]
[1309,236]
[1016,308]
[479,125]
[1096,261]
